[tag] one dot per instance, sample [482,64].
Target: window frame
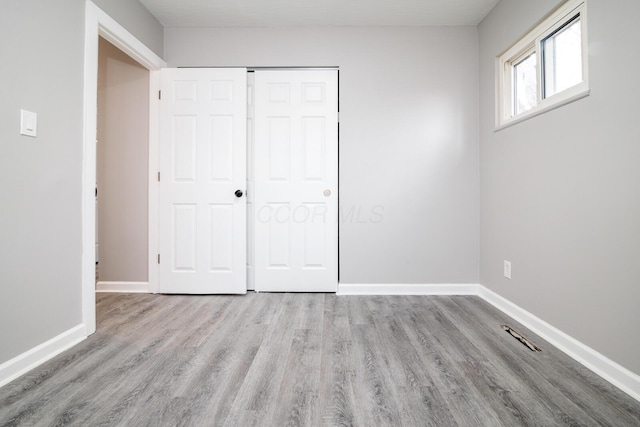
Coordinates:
[532,43]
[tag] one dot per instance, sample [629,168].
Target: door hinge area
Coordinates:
[158,176]
[159,94]
[158,258]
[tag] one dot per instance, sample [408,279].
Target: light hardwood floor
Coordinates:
[309,360]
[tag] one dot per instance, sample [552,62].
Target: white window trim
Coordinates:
[532,42]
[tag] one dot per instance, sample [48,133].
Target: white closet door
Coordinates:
[202,219]
[296,181]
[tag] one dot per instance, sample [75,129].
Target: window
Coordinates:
[525,84]
[546,68]
[563,58]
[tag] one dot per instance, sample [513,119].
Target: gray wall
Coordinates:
[408,138]
[41,47]
[41,51]
[123,166]
[560,193]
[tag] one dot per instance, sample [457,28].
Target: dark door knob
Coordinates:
[238,193]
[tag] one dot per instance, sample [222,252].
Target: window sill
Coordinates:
[541,109]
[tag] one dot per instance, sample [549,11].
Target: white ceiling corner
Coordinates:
[294,13]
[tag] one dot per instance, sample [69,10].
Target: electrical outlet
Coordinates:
[507,269]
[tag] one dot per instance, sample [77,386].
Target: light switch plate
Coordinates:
[28,123]
[507,269]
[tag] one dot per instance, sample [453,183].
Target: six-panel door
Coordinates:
[202,236]
[296,180]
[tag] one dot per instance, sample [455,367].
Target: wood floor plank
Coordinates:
[229,353]
[335,394]
[374,391]
[259,390]
[358,311]
[46,384]
[571,385]
[422,406]
[465,402]
[298,391]
[504,396]
[309,360]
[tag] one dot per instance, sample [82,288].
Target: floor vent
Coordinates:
[520,338]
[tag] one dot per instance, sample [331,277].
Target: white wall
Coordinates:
[122,166]
[560,193]
[41,65]
[408,138]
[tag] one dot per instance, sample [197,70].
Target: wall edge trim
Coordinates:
[30,359]
[407,289]
[124,287]
[614,373]
[601,365]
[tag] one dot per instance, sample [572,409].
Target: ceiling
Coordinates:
[285,13]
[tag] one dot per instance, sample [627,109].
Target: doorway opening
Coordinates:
[99,24]
[122,188]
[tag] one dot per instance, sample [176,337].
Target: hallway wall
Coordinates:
[123,166]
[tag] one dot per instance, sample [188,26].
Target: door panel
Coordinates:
[202,239]
[296,180]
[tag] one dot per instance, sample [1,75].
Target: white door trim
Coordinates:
[98,23]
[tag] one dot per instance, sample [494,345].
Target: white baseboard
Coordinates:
[616,374]
[406,289]
[124,287]
[23,363]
